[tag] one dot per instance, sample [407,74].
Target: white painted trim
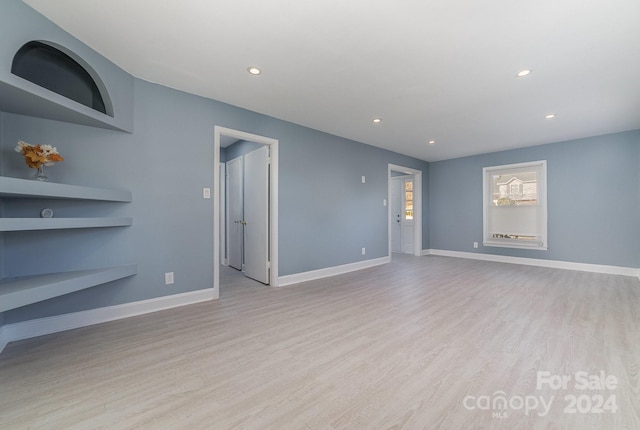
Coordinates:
[331,271]
[273,206]
[555,264]
[58,323]
[417,207]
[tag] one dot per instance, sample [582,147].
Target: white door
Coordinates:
[402,214]
[235,217]
[222,193]
[256,214]
[396,215]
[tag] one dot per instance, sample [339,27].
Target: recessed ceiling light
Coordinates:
[254,70]
[432,142]
[550,116]
[377,120]
[524,72]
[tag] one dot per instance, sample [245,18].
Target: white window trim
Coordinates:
[542,207]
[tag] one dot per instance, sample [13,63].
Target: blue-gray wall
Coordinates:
[326,213]
[593,200]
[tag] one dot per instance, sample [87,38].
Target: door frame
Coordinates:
[417,206]
[218,131]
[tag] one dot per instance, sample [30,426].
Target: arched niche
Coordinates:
[59,70]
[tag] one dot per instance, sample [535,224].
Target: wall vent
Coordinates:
[49,67]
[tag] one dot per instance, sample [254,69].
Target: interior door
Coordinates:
[256,214]
[396,215]
[222,194]
[235,210]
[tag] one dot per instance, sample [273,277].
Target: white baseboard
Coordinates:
[43,326]
[555,264]
[330,271]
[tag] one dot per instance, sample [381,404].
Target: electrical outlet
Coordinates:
[364,251]
[364,179]
[168,278]
[384,202]
[475,244]
[206,193]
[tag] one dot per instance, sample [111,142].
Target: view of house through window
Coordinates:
[408,200]
[515,205]
[514,189]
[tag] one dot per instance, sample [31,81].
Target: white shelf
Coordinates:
[26,188]
[17,292]
[26,98]
[28,224]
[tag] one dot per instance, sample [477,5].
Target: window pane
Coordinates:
[515,189]
[515,213]
[408,200]
[513,222]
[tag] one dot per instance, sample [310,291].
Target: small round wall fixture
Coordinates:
[377,120]
[550,116]
[46,213]
[523,73]
[254,70]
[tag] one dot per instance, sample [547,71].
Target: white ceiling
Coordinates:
[431,69]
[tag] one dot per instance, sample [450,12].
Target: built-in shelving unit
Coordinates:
[25,98]
[23,188]
[27,224]
[17,292]
[21,291]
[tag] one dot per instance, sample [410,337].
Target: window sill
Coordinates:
[513,244]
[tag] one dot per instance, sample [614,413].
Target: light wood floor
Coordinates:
[414,344]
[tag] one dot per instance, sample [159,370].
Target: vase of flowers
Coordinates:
[38,156]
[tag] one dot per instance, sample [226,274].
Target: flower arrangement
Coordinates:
[37,156]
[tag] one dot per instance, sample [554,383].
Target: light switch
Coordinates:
[206,193]
[364,179]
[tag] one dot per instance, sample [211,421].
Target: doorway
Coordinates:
[225,134]
[405,210]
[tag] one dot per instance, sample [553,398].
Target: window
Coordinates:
[515,205]
[408,199]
